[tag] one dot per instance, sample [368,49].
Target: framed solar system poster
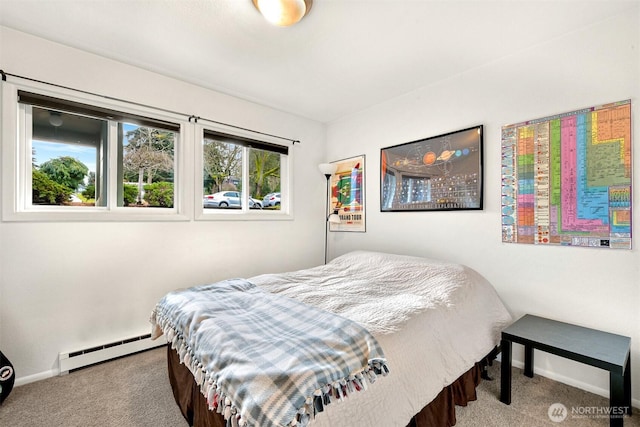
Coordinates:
[439,173]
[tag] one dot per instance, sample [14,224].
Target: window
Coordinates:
[75,155]
[68,158]
[242,175]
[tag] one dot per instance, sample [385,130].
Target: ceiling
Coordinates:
[345,56]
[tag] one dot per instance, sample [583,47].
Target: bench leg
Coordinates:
[627,385]
[528,361]
[505,372]
[616,400]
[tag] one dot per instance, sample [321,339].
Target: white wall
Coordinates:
[67,286]
[592,287]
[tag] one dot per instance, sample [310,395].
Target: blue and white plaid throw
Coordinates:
[263,359]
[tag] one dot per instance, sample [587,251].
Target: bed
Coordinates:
[430,327]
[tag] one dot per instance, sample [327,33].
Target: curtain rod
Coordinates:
[190,117]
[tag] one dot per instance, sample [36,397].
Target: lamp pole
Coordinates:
[327,169]
[326,219]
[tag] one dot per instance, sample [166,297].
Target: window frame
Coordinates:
[244,213]
[16,161]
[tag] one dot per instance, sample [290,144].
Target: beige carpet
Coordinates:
[530,402]
[131,391]
[134,391]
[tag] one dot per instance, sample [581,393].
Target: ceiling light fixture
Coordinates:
[55,119]
[283,13]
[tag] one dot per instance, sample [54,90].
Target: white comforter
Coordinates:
[434,321]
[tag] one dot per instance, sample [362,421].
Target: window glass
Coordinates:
[147,166]
[81,158]
[265,177]
[222,173]
[71,148]
[231,161]
[68,154]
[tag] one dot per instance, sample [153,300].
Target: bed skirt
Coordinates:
[441,412]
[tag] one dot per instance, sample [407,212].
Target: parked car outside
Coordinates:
[271,199]
[228,199]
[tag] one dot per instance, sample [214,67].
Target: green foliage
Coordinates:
[221,160]
[148,152]
[92,179]
[130,194]
[89,191]
[158,139]
[65,170]
[48,192]
[264,172]
[159,194]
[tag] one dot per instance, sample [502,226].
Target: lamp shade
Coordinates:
[283,13]
[327,168]
[334,218]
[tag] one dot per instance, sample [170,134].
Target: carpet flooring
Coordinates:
[134,392]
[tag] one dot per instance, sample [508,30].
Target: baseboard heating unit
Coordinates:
[90,356]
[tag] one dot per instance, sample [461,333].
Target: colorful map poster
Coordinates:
[566,179]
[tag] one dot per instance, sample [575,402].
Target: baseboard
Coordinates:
[571,381]
[20,381]
[35,377]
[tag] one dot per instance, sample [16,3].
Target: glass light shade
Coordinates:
[327,168]
[55,119]
[283,12]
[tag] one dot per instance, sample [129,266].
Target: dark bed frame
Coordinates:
[441,412]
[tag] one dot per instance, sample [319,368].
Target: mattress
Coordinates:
[435,321]
[453,320]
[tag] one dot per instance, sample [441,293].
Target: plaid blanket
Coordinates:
[263,359]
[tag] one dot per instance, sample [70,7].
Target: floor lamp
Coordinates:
[327,170]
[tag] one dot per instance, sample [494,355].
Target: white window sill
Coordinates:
[92,216]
